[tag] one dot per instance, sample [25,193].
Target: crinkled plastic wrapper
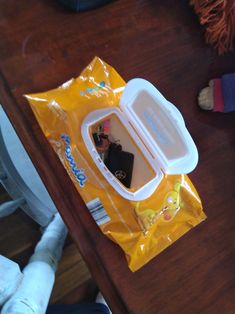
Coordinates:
[141,228]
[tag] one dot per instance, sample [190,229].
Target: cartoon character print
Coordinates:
[145,218]
[171,205]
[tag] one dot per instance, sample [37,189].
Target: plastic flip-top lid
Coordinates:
[160,126]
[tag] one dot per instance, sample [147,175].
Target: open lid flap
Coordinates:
[160,126]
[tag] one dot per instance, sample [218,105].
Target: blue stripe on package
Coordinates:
[228,87]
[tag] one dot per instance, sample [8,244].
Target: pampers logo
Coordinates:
[78,173]
[92,90]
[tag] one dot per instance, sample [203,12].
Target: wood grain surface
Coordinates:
[42,45]
[19,235]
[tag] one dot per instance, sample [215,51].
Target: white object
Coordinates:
[100,299]
[19,176]
[10,207]
[205,97]
[34,291]
[10,278]
[163,145]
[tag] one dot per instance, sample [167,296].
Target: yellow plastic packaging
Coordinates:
[141,228]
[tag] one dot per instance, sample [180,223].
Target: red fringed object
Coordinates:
[219,18]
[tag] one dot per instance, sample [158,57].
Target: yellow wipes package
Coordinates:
[127,150]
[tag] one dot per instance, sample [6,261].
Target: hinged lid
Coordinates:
[160,126]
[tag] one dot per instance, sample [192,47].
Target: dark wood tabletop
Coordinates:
[43,45]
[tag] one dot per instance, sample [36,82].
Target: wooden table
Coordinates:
[43,45]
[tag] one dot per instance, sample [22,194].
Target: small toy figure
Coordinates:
[219,96]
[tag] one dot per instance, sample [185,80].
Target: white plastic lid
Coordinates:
[160,126]
[145,190]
